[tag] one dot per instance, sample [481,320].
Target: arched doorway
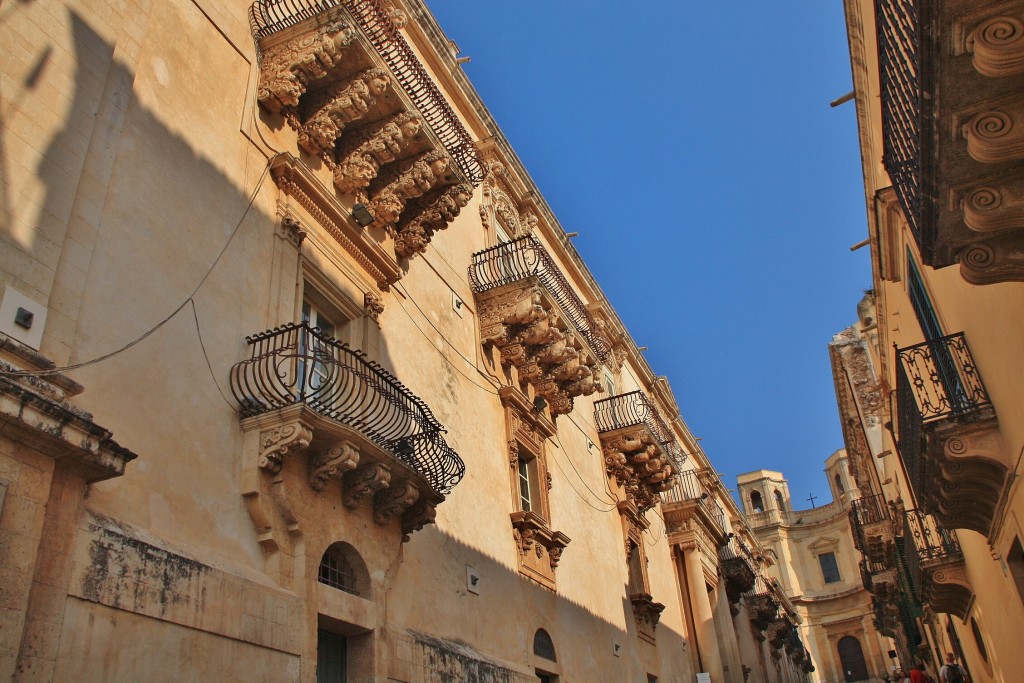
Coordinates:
[851,657]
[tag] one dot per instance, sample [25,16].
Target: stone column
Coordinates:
[703,614]
[728,645]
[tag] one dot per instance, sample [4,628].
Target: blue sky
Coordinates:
[715,192]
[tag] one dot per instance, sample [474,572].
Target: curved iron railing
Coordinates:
[866,510]
[634,408]
[931,542]
[267,17]
[688,487]
[899,66]
[519,259]
[298,364]
[935,380]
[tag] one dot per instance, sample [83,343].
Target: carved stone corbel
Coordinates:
[412,179]
[291,231]
[373,305]
[372,147]
[995,136]
[428,215]
[328,112]
[364,481]
[991,208]
[419,514]
[998,46]
[394,500]
[332,464]
[278,442]
[287,69]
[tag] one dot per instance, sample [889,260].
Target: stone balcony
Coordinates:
[762,607]
[689,507]
[949,436]
[935,564]
[301,393]
[532,316]
[952,94]
[639,449]
[873,531]
[737,567]
[340,73]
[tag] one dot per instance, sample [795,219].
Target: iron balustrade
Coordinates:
[867,510]
[634,408]
[932,543]
[688,487]
[298,364]
[899,66]
[267,17]
[511,262]
[935,380]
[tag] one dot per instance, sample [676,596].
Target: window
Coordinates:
[543,646]
[779,502]
[342,568]
[839,484]
[637,573]
[529,493]
[829,567]
[979,641]
[1015,558]
[756,503]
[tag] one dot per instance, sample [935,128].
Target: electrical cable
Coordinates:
[206,356]
[176,311]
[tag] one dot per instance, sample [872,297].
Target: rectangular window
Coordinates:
[525,492]
[829,567]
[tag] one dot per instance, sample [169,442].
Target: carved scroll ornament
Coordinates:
[372,147]
[287,69]
[427,215]
[410,180]
[331,110]
[998,46]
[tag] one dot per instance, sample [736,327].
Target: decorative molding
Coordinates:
[394,500]
[365,481]
[373,305]
[296,180]
[427,215]
[997,44]
[409,179]
[293,59]
[638,463]
[995,135]
[325,115]
[992,207]
[332,463]
[277,442]
[367,150]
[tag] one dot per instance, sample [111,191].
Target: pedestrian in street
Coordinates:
[951,672]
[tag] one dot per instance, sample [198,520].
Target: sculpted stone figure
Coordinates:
[372,147]
[414,180]
[339,105]
[286,69]
[429,216]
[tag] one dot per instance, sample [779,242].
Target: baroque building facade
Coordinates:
[366,415]
[816,564]
[928,381]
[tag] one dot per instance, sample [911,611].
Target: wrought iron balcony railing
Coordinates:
[688,487]
[525,257]
[899,65]
[935,380]
[297,364]
[267,17]
[634,408]
[931,544]
[865,511]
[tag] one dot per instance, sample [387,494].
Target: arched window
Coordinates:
[342,568]
[839,484]
[779,503]
[756,503]
[543,645]
[978,640]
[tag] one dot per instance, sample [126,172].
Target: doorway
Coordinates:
[851,657]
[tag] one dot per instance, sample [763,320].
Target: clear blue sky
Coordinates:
[715,192]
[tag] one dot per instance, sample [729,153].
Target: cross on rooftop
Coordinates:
[812,498]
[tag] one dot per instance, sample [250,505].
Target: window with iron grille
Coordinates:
[829,567]
[336,570]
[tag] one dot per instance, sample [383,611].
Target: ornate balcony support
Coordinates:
[942,62]
[949,435]
[639,449]
[688,506]
[873,531]
[538,544]
[646,611]
[367,437]
[342,75]
[936,565]
[530,313]
[737,568]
